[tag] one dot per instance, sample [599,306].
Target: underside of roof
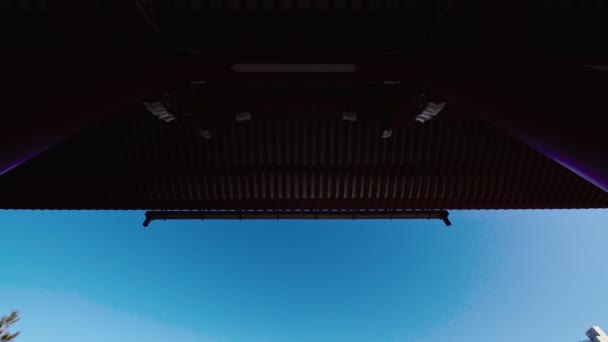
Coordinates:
[542,26]
[140,162]
[303,105]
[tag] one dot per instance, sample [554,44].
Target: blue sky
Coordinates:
[493,276]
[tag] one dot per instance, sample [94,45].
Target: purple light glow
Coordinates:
[595,177]
[15,164]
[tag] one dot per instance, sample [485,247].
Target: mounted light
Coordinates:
[387,134]
[294,68]
[349,116]
[599,67]
[159,110]
[243,116]
[431,110]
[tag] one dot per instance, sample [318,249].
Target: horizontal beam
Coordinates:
[298,215]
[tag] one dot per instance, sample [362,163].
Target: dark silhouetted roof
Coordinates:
[143,163]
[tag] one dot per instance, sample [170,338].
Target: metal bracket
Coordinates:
[298,215]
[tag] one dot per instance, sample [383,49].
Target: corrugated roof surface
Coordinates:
[574,6]
[23,5]
[214,5]
[361,22]
[295,164]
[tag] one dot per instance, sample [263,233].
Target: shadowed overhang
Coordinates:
[139,162]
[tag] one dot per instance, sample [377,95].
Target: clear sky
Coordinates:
[80,276]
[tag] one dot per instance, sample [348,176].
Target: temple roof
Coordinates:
[139,162]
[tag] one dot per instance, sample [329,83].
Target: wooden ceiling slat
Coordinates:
[291,164]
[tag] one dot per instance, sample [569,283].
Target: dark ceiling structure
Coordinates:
[291,164]
[303,108]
